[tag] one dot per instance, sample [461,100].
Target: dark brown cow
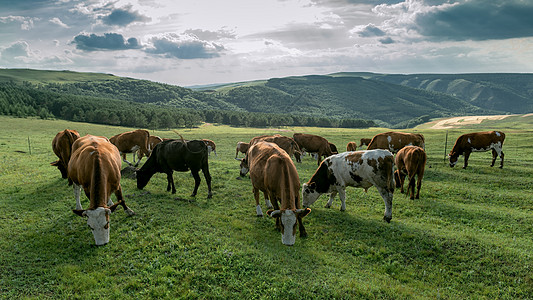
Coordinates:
[478,142]
[62,146]
[95,167]
[273,173]
[241,147]
[355,168]
[365,142]
[410,161]
[351,146]
[313,143]
[284,142]
[211,146]
[130,142]
[394,141]
[333,148]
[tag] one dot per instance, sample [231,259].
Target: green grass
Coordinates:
[47,76]
[469,236]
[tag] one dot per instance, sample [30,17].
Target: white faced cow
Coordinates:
[478,142]
[131,142]
[394,141]
[273,172]
[358,169]
[95,167]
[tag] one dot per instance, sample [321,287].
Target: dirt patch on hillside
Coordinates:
[468,120]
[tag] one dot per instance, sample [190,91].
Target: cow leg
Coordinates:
[121,202]
[387,198]
[258,210]
[170,182]
[197,181]
[207,177]
[77,192]
[301,228]
[110,202]
[467,155]
[330,200]
[494,156]
[125,160]
[411,187]
[268,203]
[418,185]
[501,156]
[342,196]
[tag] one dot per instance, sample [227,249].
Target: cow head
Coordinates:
[142,178]
[288,220]
[98,221]
[453,158]
[61,166]
[298,156]
[245,168]
[309,194]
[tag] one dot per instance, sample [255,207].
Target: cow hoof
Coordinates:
[259,216]
[209,196]
[327,206]
[193,195]
[387,219]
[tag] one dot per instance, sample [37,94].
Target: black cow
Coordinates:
[178,155]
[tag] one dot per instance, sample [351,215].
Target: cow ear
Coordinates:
[303,212]
[80,212]
[274,213]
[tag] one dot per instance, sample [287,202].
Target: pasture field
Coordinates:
[469,236]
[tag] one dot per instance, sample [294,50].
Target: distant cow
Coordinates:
[152,141]
[62,146]
[211,146]
[333,148]
[313,143]
[410,161]
[351,146]
[130,142]
[478,142]
[284,142]
[95,167]
[177,155]
[394,141]
[365,142]
[358,169]
[241,147]
[273,173]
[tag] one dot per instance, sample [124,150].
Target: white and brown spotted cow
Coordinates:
[358,169]
[394,141]
[313,144]
[410,161]
[62,146]
[95,167]
[478,142]
[131,142]
[273,173]
[211,146]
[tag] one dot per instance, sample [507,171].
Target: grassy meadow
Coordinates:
[470,235]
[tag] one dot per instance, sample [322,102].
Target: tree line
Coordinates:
[28,100]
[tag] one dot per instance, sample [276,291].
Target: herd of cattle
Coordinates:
[94,164]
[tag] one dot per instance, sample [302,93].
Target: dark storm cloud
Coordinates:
[109,41]
[123,16]
[184,47]
[370,30]
[479,20]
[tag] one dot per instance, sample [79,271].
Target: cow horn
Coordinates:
[80,212]
[274,213]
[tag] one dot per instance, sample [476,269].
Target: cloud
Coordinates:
[109,41]
[26,23]
[123,17]
[478,20]
[183,46]
[211,35]
[387,40]
[15,51]
[58,22]
[369,30]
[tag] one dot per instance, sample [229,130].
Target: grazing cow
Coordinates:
[241,147]
[284,142]
[410,161]
[95,167]
[130,142]
[62,146]
[313,143]
[358,169]
[364,142]
[211,146]
[333,148]
[152,141]
[177,155]
[478,142]
[351,146]
[394,141]
[273,173]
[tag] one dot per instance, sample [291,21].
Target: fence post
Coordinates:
[446,146]
[29,145]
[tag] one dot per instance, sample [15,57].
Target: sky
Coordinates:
[199,42]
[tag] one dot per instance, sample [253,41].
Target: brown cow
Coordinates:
[62,146]
[211,146]
[364,142]
[273,172]
[394,141]
[130,142]
[284,142]
[152,141]
[241,147]
[478,142]
[410,161]
[351,146]
[95,167]
[313,143]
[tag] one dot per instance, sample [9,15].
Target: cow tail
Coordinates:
[96,182]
